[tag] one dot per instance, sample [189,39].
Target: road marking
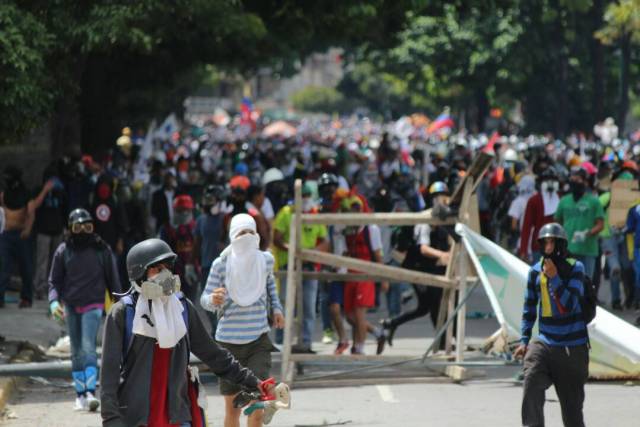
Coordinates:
[386,394]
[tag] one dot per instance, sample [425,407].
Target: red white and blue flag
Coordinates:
[444,120]
[246,112]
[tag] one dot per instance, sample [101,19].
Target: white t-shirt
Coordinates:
[422,234]
[375,238]
[517,208]
[267,209]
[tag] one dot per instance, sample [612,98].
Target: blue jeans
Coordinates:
[309,299]
[611,251]
[323,297]
[14,250]
[589,263]
[394,296]
[83,332]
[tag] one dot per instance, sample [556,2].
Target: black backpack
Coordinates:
[588,300]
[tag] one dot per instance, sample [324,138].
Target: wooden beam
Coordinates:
[382,218]
[478,167]
[352,357]
[395,274]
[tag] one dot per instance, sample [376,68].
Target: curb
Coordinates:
[9,385]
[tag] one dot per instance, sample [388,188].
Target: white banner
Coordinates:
[615,344]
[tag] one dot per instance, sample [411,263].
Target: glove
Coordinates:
[56,311]
[580,236]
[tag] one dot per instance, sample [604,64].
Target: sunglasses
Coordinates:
[86,227]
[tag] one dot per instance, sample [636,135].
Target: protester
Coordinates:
[110,216]
[145,378]
[582,216]
[15,250]
[241,291]
[560,355]
[83,268]
[312,237]
[428,250]
[162,202]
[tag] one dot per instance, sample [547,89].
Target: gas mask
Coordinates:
[550,186]
[162,285]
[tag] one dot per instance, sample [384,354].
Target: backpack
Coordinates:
[195,390]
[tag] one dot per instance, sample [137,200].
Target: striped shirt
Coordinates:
[240,325]
[556,303]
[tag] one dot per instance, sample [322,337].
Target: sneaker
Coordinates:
[355,352]
[382,340]
[341,348]
[81,404]
[92,402]
[327,336]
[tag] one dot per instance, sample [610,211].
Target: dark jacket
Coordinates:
[79,277]
[160,208]
[126,389]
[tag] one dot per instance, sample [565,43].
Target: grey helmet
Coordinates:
[145,254]
[553,229]
[79,216]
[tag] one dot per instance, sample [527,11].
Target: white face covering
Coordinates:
[162,319]
[308,204]
[550,198]
[246,276]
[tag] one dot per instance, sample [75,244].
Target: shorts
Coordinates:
[359,294]
[255,355]
[336,293]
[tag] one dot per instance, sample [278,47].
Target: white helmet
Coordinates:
[272,175]
[510,155]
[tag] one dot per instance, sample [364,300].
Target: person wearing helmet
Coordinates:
[180,236]
[428,251]
[241,292]
[145,378]
[83,267]
[560,355]
[582,216]
[539,211]
[327,185]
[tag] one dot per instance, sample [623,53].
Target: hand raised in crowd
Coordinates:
[218,296]
[278,321]
[549,268]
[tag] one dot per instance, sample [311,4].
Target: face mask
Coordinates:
[577,189]
[182,218]
[245,243]
[550,186]
[81,239]
[161,285]
[307,204]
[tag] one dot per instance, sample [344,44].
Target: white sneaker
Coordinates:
[92,402]
[81,404]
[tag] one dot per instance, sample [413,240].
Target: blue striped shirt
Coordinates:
[240,325]
[558,309]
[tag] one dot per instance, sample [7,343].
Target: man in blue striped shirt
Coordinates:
[560,355]
[241,290]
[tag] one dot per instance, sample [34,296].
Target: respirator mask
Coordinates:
[162,285]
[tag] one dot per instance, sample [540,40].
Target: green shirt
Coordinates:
[310,233]
[580,216]
[605,199]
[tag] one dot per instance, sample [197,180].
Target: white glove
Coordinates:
[580,236]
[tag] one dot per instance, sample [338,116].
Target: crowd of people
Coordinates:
[213,205]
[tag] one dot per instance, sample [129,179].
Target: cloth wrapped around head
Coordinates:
[246,274]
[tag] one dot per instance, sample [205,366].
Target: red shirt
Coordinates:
[158,406]
[532,222]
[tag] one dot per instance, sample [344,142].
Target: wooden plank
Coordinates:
[395,274]
[381,218]
[351,358]
[623,195]
[297,219]
[456,373]
[371,381]
[288,367]
[478,167]
[347,277]
[463,259]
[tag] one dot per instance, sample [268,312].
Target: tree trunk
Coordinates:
[597,63]
[482,109]
[625,64]
[65,128]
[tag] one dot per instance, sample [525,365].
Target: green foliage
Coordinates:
[24,84]
[621,19]
[316,99]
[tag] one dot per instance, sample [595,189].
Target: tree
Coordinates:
[106,62]
[622,26]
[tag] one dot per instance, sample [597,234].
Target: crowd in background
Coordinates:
[184,186]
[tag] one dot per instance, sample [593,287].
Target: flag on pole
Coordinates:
[246,113]
[168,128]
[444,120]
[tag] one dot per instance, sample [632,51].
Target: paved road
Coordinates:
[482,403]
